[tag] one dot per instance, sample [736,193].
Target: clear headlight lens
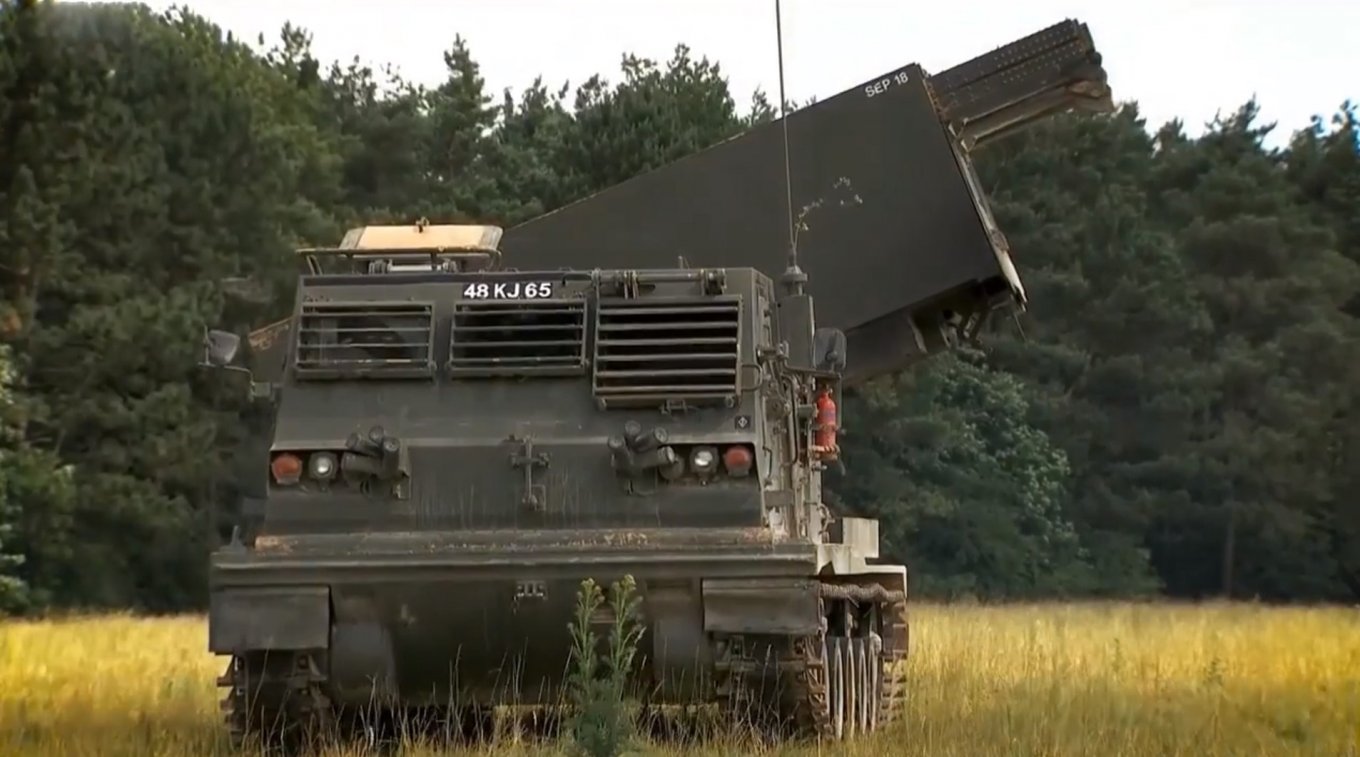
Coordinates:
[703,460]
[322,466]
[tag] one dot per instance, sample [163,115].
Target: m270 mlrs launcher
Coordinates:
[457,444]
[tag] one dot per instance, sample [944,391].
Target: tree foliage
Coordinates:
[1179,414]
[963,483]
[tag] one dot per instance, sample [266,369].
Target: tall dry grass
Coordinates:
[1051,679]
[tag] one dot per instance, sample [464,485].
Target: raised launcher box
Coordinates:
[917,263]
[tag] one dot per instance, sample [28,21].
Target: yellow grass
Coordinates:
[1054,679]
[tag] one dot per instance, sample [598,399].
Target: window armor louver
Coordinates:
[377,339]
[651,350]
[518,337]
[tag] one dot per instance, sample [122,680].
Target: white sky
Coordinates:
[1178,58]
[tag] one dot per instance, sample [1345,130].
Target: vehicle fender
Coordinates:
[269,618]
[761,606]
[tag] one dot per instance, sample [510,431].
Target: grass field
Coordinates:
[1114,679]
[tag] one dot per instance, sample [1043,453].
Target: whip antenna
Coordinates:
[793,278]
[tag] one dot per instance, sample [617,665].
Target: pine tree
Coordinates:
[651,118]
[1273,284]
[1325,166]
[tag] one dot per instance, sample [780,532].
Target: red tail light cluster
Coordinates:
[634,452]
[703,461]
[287,467]
[374,463]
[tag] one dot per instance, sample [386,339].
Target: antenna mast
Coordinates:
[793,278]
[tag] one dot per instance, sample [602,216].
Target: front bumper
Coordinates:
[480,555]
[420,616]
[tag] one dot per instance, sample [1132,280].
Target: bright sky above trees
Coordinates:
[1178,58]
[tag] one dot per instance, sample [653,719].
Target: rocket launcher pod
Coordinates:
[898,242]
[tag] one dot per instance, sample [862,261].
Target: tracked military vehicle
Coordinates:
[458,445]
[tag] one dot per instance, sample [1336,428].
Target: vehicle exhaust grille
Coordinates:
[648,351]
[518,337]
[365,339]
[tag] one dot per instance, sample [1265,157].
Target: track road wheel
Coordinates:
[856,700]
[873,668]
[846,684]
[865,702]
[836,696]
[855,686]
[854,694]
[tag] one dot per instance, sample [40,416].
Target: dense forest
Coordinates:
[1175,415]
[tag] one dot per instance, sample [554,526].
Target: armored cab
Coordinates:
[457,446]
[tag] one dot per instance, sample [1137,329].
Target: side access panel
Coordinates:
[269,618]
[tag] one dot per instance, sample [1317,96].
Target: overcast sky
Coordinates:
[1178,58]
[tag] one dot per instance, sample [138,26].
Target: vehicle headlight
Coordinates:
[322,466]
[703,460]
